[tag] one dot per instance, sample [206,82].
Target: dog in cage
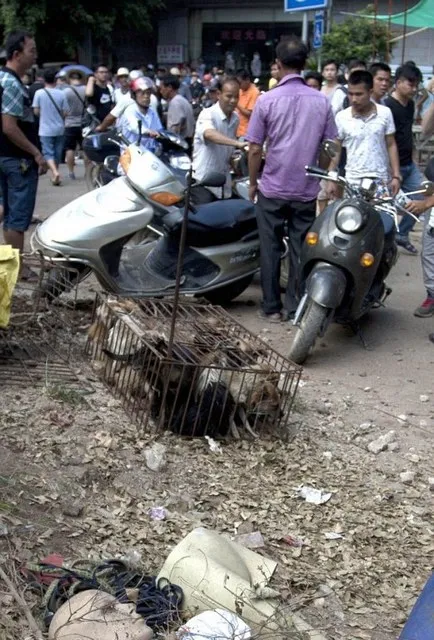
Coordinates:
[216,383]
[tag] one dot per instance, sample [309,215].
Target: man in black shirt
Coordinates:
[99,93]
[402,106]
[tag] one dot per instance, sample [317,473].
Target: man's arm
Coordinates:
[244,112]
[392,150]
[255,159]
[212,135]
[36,111]
[108,121]
[333,189]
[90,87]
[428,122]
[417,207]
[12,131]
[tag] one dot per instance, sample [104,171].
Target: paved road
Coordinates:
[399,364]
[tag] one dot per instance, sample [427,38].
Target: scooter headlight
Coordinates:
[349,219]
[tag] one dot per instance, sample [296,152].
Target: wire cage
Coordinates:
[36,346]
[214,378]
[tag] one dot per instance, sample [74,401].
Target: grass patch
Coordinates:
[64,394]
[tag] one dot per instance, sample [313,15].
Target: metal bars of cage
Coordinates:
[218,378]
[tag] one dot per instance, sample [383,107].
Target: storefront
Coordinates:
[240,42]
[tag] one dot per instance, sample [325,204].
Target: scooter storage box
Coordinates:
[98,146]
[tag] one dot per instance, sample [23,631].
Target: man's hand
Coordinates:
[244,146]
[42,164]
[152,134]
[395,185]
[417,207]
[332,190]
[253,192]
[99,128]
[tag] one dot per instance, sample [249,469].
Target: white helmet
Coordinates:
[134,74]
[142,84]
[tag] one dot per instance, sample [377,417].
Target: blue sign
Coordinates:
[318,30]
[304,5]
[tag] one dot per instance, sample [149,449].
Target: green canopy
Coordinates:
[421,15]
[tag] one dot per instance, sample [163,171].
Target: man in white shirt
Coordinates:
[122,92]
[120,107]
[367,131]
[140,111]
[215,140]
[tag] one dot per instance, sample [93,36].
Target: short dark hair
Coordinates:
[171,81]
[292,53]
[408,72]
[101,66]
[50,75]
[15,42]
[362,77]
[330,61]
[228,80]
[243,74]
[379,66]
[314,75]
[356,64]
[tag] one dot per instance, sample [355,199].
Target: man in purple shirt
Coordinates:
[294,120]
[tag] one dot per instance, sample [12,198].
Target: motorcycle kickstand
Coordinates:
[357,330]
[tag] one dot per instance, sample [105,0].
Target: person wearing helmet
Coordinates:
[140,111]
[119,109]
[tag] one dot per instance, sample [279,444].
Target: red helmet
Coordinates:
[142,84]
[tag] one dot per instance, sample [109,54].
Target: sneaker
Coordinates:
[72,176]
[271,317]
[406,244]
[426,309]
[431,337]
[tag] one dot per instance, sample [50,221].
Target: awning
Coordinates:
[421,15]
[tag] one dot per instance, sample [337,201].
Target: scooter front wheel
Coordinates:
[93,176]
[310,327]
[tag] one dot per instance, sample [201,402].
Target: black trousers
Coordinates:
[273,215]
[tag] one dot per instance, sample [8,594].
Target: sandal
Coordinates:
[406,244]
[56,182]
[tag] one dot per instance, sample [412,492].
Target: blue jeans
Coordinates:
[18,183]
[52,148]
[411,180]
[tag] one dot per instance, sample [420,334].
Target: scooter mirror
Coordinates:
[428,187]
[111,164]
[213,179]
[330,148]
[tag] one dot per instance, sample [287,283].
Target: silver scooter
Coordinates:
[106,232]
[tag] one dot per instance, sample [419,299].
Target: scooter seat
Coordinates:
[220,222]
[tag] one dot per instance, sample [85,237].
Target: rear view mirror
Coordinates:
[428,187]
[111,163]
[213,179]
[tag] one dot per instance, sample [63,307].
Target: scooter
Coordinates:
[100,232]
[104,149]
[346,258]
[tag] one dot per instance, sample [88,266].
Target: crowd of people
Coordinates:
[369,114]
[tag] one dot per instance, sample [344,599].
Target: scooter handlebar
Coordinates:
[317,171]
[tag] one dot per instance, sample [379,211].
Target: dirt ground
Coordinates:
[74,478]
